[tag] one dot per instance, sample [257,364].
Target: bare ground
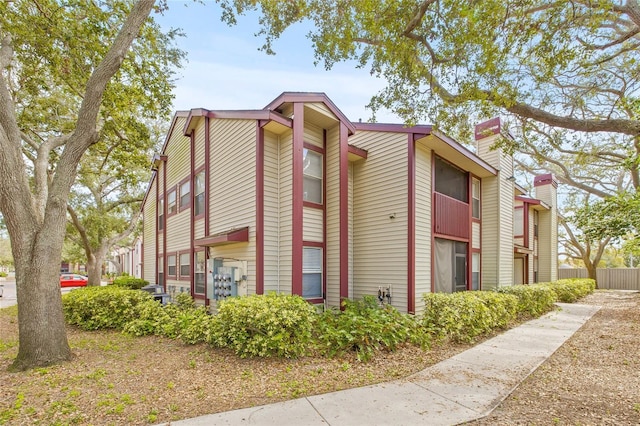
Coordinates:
[593,379]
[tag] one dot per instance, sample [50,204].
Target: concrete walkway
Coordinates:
[465,387]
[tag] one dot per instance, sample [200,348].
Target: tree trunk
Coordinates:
[41,325]
[94,269]
[592,271]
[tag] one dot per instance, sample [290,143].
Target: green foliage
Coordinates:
[533,300]
[465,315]
[3,274]
[613,217]
[572,289]
[365,327]
[265,325]
[94,308]
[130,282]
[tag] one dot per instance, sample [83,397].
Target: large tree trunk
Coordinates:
[94,270]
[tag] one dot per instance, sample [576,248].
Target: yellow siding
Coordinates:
[423,225]
[149,234]
[351,232]
[199,231]
[178,167]
[312,225]
[313,135]
[286,207]
[475,235]
[199,145]
[332,181]
[271,212]
[232,188]
[548,234]
[380,191]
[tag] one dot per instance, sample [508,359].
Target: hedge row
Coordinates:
[288,326]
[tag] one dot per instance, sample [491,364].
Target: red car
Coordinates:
[73,280]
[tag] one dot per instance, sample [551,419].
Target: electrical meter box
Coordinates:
[224,281]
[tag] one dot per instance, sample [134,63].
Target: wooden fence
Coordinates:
[614,279]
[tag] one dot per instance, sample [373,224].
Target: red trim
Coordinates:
[230,237]
[316,244]
[297,204]
[157,231]
[358,151]
[470,224]
[192,220]
[344,212]
[259,209]
[416,132]
[411,231]
[312,204]
[324,215]
[433,209]
[545,179]
[166,224]
[207,162]
[488,128]
[315,148]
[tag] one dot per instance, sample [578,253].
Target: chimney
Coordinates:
[546,190]
[497,202]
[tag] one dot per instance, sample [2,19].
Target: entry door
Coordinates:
[450,269]
[518,270]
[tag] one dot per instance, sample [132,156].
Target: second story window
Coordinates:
[198,198]
[312,169]
[160,215]
[185,194]
[518,221]
[475,198]
[172,207]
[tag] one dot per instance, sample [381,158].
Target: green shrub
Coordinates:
[533,299]
[3,274]
[94,308]
[264,325]
[130,282]
[571,289]
[463,316]
[365,327]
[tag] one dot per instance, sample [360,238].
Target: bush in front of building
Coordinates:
[130,282]
[571,289]
[94,308]
[365,327]
[464,315]
[265,325]
[533,299]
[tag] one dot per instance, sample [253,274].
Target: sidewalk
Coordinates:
[462,388]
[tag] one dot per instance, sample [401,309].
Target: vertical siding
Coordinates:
[233,189]
[423,225]
[271,212]
[380,191]
[286,211]
[149,233]
[332,181]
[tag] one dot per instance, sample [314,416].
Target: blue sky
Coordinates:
[225,70]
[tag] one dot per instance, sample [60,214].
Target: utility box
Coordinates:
[224,283]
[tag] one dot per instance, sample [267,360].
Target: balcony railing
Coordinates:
[451,217]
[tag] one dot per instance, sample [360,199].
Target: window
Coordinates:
[199,194]
[312,176]
[185,193]
[161,270]
[451,181]
[160,215]
[171,265]
[185,265]
[475,271]
[200,263]
[535,223]
[312,273]
[171,202]
[518,221]
[475,198]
